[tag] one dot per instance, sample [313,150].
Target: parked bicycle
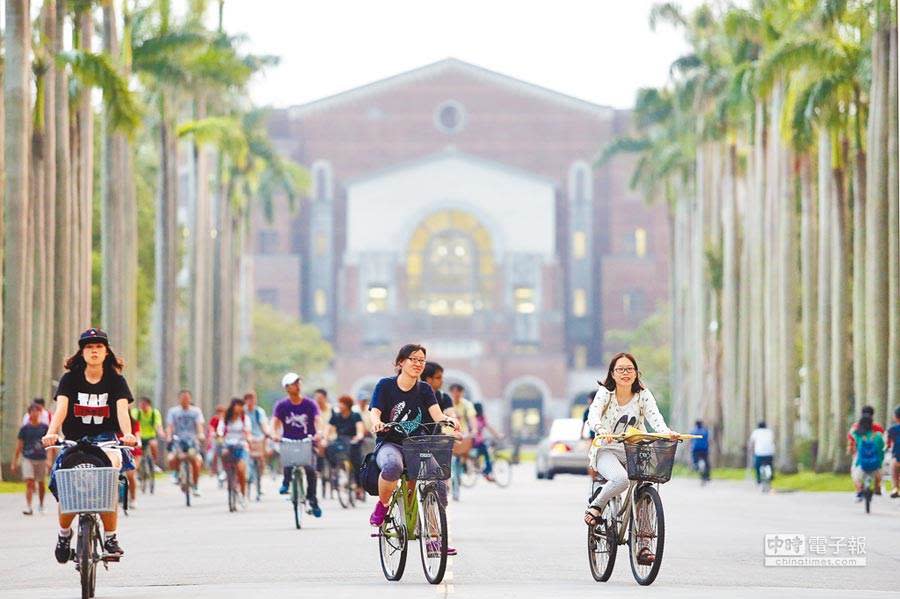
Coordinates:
[415,511]
[298,455]
[89,490]
[635,518]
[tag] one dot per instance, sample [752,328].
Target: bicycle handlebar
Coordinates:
[65,444]
[633,435]
[397,426]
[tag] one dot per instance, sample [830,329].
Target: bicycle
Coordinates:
[229,464]
[298,455]
[88,490]
[637,518]
[146,473]
[702,468]
[341,472]
[415,511]
[254,469]
[473,468]
[765,477]
[185,454]
[868,488]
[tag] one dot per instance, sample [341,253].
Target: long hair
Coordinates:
[636,387]
[229,413]
[864,427]
[110,363]
[405,352]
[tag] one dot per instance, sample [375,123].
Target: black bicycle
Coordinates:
[89,490]
[146,471]
[341,471]
[298,455]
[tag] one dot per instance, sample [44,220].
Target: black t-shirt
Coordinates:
[346,427]
[444,403]
[31,435]
[409,407]
[92,407]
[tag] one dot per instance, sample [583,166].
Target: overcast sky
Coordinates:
[598,50]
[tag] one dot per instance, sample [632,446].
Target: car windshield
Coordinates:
[566,429]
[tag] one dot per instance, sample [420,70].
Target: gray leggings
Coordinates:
[609,465]
[390,460]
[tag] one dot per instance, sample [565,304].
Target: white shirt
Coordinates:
[763,441]
[234,430]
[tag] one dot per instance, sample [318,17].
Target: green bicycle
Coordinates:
[415,510]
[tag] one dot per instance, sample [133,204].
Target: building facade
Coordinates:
[459,208]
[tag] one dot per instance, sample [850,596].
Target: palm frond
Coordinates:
[97,70]
[622,145]
[224,132]
[667,12]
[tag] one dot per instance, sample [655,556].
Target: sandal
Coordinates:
[645,557]
[593,516]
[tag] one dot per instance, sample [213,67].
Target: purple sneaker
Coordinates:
[434,548]
[377,517]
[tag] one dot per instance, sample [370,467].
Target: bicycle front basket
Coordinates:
[87,490]
[651,461]
[428,457]
[296,453]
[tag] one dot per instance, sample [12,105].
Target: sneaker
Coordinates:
[859,497]
[895,493]
[196,492]
[27,512]
[222,477]
[63,551]
[157,469]
[645,557]
[316,511]
[111,547]
[283,490]
[451,550]
[378,514]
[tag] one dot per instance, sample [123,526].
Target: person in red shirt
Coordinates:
[212,449]
[136,453]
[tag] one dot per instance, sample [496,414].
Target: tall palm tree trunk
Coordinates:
[807,289]
[840,380]
[17,105]
[823,311]
[201,266]
[62,300]
[893,226]
[730,283]
[876,219]
[86,171]
[165,338]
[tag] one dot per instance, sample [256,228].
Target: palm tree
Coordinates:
[17,107]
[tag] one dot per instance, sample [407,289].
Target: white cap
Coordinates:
[290,378]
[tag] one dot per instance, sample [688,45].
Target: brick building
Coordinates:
[458,207]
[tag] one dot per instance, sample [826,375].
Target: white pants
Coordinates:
[609,464]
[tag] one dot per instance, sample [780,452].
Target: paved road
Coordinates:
[526,540]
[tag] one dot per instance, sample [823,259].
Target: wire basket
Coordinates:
[87,489]
[428,457]
[651,461]
[296,452]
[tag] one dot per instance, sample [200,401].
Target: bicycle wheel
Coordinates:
[296,494]
[455,475]
[602,546]
[433,536]
[151,472]
[186,481]
[392,542]
[257,479]
[88,542]
[502,472]
[471,470]
[868,496]
[123,493]
[232,488]
[646,536]
[341,484]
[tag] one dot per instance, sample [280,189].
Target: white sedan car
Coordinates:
[564,450]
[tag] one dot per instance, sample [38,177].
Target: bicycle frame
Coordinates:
[409,505]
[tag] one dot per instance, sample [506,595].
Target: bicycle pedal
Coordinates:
[110,558]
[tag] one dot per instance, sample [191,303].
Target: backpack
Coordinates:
[369,473]
[867,453]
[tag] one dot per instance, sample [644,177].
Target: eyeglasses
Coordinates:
[417,361]
[625,370]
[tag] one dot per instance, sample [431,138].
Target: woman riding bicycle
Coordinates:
[346,427]
[622,401]
[406,400]
[480,443]
[91,405]
[234,428]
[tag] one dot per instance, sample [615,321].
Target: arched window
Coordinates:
[580,183]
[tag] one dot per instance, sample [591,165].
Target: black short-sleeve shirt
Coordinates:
[396,405]
[345,427]
[92,407]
